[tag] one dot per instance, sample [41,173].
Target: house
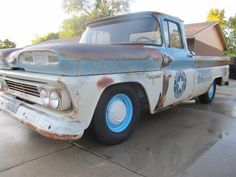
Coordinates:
[206,39]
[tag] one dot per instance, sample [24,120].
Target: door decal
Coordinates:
[180,84]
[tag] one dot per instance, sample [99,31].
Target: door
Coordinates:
[179,74]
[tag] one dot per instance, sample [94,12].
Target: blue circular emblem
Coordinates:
[180,84]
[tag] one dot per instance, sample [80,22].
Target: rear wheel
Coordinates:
[116,115]
[209,96]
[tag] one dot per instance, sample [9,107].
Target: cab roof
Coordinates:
[129,16]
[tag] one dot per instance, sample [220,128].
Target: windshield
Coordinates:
[144,30]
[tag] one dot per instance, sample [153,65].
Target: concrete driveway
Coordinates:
[190,140]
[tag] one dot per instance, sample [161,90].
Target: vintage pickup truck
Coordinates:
[121,65]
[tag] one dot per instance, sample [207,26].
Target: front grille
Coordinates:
[23,88]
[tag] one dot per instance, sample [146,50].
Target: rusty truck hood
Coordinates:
[6,55]
[87,59]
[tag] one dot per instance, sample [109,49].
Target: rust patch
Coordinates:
[104,82]
[201,62]
[58,90]
[52,135]
[46,133]
[154,54]
[100,52]
[166,60]
[162,96]
[73,114]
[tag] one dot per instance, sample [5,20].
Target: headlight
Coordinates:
[54,99]
[59,100]
[44,96]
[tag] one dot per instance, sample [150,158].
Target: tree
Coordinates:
[217,15]
[102,8]
[48,36]
[73,26]
[230,35]
[228,27]
[7,44]
[83,11]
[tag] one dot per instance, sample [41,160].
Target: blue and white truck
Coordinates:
[121,65]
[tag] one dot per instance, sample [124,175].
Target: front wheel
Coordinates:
[209,96]
[116,115]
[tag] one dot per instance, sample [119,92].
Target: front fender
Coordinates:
[86,91]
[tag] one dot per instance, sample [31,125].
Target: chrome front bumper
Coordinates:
[44,124]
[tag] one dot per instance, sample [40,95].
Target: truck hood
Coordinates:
[6,55]
[83,59]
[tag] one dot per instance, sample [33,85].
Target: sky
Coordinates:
[22,20]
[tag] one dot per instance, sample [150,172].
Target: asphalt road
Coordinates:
[190,140]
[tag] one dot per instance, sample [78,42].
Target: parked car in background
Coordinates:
[120,64]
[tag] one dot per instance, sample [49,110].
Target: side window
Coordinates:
[172,35]
[166,33]
[175,36]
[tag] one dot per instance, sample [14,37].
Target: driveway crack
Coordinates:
[28,161]
[106,158]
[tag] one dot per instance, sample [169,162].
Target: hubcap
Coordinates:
[119,113]
[211,91]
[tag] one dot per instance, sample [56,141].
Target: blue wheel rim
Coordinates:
[127,103]
[211,91]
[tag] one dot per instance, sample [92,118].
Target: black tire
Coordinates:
[100,126]
[207,98]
